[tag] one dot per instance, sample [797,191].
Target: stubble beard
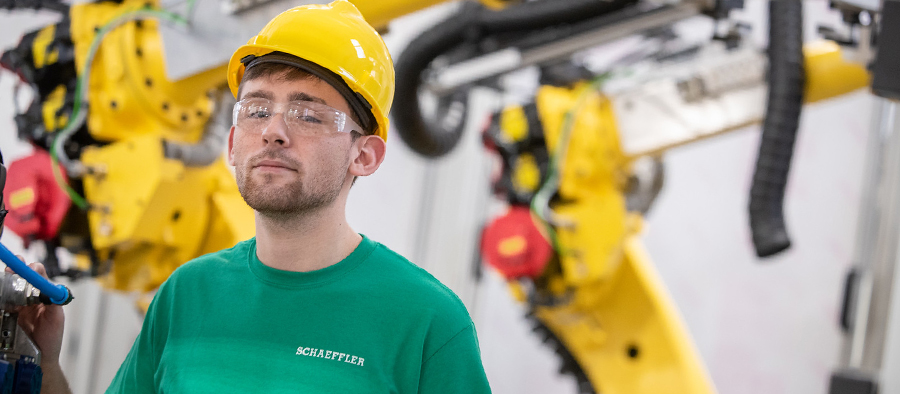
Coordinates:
[289,200]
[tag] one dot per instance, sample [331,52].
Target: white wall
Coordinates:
[764,326]
[761,327]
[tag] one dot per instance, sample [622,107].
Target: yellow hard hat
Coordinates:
[332,39]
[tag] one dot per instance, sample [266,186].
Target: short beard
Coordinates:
[292,200]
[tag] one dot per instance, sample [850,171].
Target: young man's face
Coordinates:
[281,172]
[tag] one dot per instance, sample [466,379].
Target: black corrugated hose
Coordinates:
[786,85]
[540,14]
[426,138]
[471,24]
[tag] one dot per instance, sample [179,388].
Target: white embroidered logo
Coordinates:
[331,355]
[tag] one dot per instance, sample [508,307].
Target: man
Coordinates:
[308,305]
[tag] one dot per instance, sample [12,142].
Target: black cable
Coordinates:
[786,84]
[52,5]
[541,14]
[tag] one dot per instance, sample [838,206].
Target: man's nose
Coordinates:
[276,131]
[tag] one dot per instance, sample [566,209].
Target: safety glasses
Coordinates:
[300,117]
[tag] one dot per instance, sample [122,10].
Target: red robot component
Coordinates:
[36,203]
[514,245]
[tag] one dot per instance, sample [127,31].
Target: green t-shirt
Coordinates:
[372,323]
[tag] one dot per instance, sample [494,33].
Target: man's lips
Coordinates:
[273,165]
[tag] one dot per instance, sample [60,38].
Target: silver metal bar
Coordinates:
[889,380]
[426,207]
[497,63]
[867,229]
[861,319]
[876,246]
[569,46]
[478,68]
[882,266]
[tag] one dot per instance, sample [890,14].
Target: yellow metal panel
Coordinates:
[517,291]
[125,175]
[627,335]
[129,91]
[828,74]
[378,13]
[590,237]
[231,222]
[513,124]
[151,214]
[51,107]
[189,215]
[593,155]
[498,4]
[39,47]
[592,221]
[140,267]
[526,176]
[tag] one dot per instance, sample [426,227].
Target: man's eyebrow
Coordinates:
[259,94]
[300,96]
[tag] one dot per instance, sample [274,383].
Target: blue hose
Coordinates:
[57,294]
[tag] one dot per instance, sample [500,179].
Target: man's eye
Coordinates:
[306,116]
[258,113]
[310,119]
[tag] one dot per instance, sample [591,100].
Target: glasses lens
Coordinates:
[307,118]
[252,114]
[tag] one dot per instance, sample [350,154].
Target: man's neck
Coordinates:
[306,242]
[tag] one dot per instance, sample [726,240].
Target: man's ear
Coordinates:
[231,147]
[370,151]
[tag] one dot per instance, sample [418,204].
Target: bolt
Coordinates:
[105,229]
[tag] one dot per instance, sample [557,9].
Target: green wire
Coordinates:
[190,9]
[57,175]
[541,199]
[76,119]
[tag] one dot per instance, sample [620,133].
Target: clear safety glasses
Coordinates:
[300,117]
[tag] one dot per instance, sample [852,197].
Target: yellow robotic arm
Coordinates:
[600,298]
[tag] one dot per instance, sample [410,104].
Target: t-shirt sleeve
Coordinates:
[137,373]
[456,367]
